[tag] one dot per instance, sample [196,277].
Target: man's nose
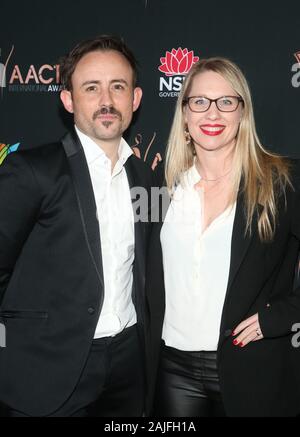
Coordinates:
[106,97]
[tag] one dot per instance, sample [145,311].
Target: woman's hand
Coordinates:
[247,331]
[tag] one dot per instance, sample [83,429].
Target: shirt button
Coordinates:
[91,310]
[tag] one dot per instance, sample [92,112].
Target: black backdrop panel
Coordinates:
[261,37]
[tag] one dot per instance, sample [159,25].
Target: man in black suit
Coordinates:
[72,255]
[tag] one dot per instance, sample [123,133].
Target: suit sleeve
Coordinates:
[278,318]
[19,206]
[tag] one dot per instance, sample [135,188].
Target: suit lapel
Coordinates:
[139,228]
[139,270]
[85,199]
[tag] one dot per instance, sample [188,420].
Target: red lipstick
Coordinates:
[212,129]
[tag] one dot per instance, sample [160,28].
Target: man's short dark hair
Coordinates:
[102,43]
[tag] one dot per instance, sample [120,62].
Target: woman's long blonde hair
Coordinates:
[260,174]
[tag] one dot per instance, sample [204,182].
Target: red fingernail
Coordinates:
[241,344]
[235,342]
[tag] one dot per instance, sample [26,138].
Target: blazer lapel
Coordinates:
[240,242]
[239,247]
[85,199]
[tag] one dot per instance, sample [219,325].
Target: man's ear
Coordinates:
[137,97]
[67,101]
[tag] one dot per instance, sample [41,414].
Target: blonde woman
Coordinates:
[222,264]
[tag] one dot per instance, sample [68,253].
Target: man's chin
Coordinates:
[108,136]
[109,132]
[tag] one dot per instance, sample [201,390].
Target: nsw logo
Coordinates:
[175,65]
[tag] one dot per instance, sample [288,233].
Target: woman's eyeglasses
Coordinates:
[202,104]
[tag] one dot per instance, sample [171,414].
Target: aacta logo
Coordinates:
[175,65]
[296,71]
[32,78]
[3,68]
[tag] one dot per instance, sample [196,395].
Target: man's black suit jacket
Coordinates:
[51,278]
[263,378]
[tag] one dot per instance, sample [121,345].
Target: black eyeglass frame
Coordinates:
[187,101]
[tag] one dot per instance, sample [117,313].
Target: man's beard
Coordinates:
[104,110]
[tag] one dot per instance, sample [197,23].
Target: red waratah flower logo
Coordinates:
[177,62]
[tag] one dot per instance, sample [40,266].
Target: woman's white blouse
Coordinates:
[196,269]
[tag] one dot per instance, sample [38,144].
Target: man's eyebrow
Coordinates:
[89,82]
[120,80]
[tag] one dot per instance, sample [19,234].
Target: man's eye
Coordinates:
[91,88]
[119,87]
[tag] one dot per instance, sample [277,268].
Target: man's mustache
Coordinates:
[107,110]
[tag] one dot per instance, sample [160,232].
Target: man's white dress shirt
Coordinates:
[116,223]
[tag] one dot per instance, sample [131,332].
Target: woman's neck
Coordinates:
[213,165]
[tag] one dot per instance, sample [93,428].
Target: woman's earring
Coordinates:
[187,136]
[188,140]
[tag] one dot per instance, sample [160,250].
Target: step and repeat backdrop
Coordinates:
[167,36]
